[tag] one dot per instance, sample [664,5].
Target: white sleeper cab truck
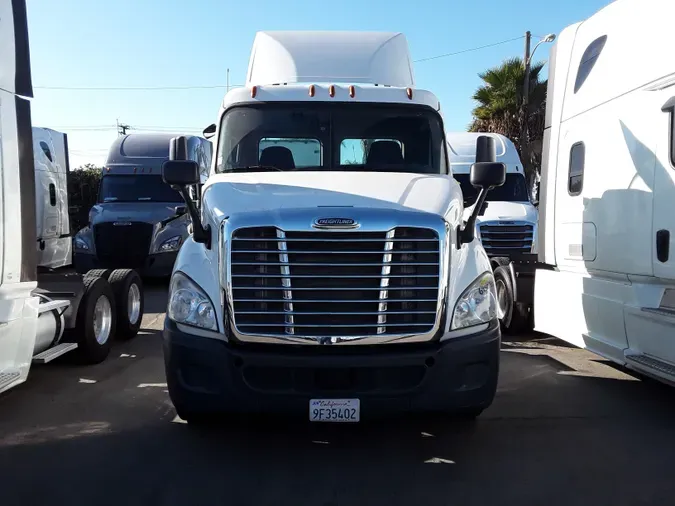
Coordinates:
[45,310]
[332,276]
[136,208]
[507,224]
[606,277]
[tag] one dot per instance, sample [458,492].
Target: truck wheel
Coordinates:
[514,317]
[128,289]
[98,273]
[95,320]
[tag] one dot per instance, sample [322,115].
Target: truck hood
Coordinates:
[146,212]
[259,191]
[502,211]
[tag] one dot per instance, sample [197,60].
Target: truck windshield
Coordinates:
[136,188]
[513,190]
[359,137]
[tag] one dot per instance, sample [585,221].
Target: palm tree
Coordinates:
[500,110]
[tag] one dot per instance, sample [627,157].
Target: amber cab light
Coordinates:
[331,90]
[352,91]
[409,93]
[254,91]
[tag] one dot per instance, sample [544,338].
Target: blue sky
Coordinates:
[155,43]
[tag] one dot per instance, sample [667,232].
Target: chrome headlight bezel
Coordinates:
[477,305]
[188,303]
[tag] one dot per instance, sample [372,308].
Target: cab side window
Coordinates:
[575,179]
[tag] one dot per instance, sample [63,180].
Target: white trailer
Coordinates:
[605,280]
[343,282]
[45,310]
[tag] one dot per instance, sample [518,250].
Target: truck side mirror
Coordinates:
[486,173]
[209,131]
[181,173]
[180,210]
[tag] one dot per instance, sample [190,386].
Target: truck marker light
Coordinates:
[254,91]
[409,93]
[311,90]
[331,90]
[352,91]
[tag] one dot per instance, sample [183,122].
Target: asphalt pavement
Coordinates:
[567,428]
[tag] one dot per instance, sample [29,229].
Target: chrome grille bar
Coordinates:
[384,282]
[286,281]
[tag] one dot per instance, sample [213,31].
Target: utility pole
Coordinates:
[122,128]
[525,114]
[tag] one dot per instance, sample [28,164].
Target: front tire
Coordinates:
[95,320]
[128,289]
[514,317]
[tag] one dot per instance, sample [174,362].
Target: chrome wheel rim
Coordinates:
[134,304]
[102,319]
[501,298]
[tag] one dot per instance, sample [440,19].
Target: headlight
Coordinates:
[172,244]
[189,304]
[80,244]
[478,303]
[535,241]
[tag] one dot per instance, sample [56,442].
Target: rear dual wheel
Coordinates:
[112,305]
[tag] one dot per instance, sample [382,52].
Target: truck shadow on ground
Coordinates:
[547,431]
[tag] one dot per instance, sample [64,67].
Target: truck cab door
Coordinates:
[46,193]
[663,229]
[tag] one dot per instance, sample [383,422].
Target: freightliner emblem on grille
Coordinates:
[335,223]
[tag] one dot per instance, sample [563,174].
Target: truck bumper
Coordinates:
[211,376]
[157,265]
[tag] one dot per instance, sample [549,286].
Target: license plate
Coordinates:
[334,410]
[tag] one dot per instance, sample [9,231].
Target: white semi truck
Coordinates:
[605,276]
[46,310]
[330,270]
[507,224]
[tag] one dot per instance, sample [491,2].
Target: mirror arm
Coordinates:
[467,233]
[200,233]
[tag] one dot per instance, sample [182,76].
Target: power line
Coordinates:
[467,50]
[129,88]
[230,86]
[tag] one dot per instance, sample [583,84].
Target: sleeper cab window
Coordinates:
[575,179]
[45,150]
[588,60]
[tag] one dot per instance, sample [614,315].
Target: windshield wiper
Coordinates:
[109,199]
[257,168]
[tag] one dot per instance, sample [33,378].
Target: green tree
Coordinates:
[82,189]
[499,109]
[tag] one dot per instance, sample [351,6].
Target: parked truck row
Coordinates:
[341,255]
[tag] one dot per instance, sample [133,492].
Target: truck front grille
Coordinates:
[504,238]
[122,245]
[327,284]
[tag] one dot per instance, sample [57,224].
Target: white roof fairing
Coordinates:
[279,57]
